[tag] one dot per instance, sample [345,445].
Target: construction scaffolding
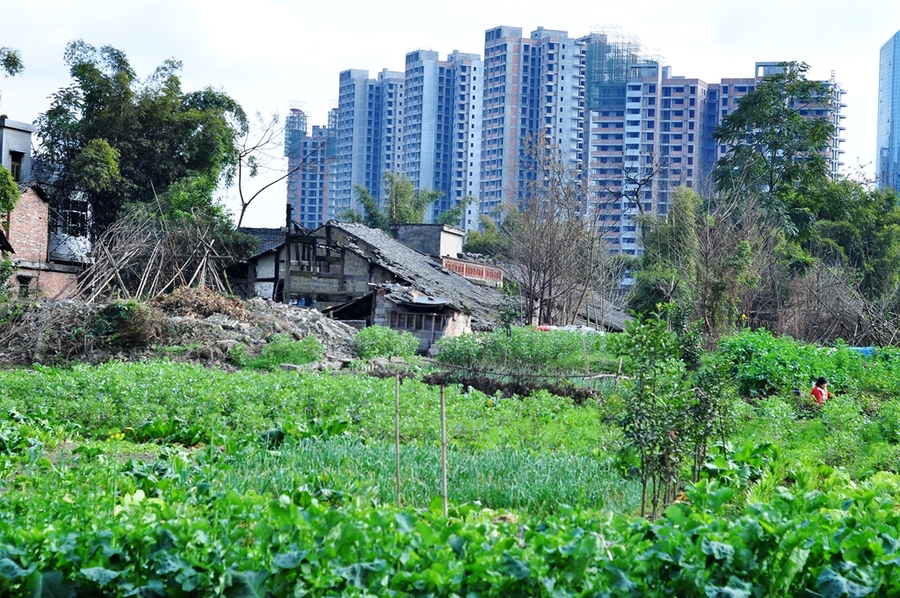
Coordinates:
[609,56]
[294,131]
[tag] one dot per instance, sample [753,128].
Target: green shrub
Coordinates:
[765,364]
[524,348]
[280,349]
[6,272]
[843,421]
[122,324]
[890,421]
[380,341]
[775,420]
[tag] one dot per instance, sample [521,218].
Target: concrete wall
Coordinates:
[431,239]
[16,137]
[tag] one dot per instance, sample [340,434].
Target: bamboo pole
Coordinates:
[397,431]
[443,451]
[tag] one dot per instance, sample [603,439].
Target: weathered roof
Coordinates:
[608,314]
[421,272]
[23,187]
[269,238]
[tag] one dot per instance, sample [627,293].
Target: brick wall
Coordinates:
[29,236]
[51,284]
[28,232]
[483,274]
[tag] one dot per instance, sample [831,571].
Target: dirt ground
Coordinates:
[192,324]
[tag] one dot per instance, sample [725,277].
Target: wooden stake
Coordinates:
[443,452]
[397,431]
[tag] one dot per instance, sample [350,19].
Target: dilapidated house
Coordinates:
[362,275]
[260,274]
[45,263]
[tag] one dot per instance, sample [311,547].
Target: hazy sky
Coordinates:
[271,55]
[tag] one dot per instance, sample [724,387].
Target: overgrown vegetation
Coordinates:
[525,350]
[664,474]
[381,341]
[122,324]
[281,349]
[212,483]
[110,141]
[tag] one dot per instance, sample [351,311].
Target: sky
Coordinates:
[272,55]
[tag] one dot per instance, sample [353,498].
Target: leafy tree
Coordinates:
[701,259]
[10,62]
[404,204]
[110,140]
[487,241]
[453,216]
[656,421]
[9,191]
[776,140]
[96,167]
[860,229]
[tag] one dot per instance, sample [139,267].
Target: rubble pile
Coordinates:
[189,325]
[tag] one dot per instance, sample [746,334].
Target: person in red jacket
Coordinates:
[820,390]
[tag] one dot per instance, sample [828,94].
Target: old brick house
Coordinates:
[47,261]
[43,266]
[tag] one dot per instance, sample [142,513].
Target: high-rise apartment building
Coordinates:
[651,132]
[367,141]
[464,125]
[442,127]
[534,90]
[311,162]
[887,156]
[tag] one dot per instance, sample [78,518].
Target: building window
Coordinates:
[15,165]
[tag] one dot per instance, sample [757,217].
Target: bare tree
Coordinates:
[551,241]
[259,153]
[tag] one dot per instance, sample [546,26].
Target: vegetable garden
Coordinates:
[158,478]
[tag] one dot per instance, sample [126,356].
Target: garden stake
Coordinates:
[397,431]
[443,451]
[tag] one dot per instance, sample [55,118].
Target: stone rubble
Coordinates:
[59,332]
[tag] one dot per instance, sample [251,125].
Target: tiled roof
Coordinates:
[421,272]
[269,238]
[25,186]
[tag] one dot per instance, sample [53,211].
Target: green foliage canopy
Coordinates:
[487,241]
[776,138]
[404,204]
[112,140]
[9,191]
[860,229]
[11,62]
